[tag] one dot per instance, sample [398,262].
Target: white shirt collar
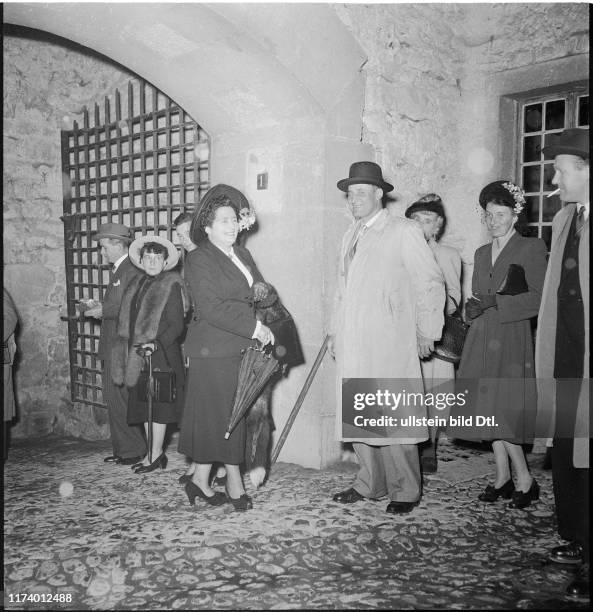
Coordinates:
[118,262]
[584,205]
[372,219]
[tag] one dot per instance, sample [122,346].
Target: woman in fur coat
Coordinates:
[151,321]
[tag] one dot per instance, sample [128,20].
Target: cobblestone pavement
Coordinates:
[105,538]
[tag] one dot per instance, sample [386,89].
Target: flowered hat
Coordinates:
[237,200]
[505,193]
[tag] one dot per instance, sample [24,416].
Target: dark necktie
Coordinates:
[351,251]
[580,221]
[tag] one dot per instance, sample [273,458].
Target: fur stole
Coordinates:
[126,365]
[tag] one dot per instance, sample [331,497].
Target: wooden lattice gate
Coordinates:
[141,170]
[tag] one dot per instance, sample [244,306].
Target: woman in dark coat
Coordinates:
[151,321]
[497,359]
[220,275]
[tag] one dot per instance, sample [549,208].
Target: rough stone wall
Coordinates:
[46,87]
[430,110]
[431,114]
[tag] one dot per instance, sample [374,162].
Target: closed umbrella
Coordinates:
[147,354]
[257,366]
[150,395]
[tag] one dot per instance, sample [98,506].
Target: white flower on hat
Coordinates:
[518,195]
[246,218]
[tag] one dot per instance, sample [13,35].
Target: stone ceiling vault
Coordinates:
[233,67]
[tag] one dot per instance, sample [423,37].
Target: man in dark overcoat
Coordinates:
[128,442]
[562,353]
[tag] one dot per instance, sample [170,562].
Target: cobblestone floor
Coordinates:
[106,538]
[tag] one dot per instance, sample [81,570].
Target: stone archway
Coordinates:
[278,87]
[239,67]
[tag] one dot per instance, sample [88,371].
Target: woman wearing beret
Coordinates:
[497,359]
[429,213]
[151,321]
[220,275]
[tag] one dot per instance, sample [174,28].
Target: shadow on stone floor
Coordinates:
[103,537]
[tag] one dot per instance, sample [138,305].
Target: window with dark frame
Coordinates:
[539,117]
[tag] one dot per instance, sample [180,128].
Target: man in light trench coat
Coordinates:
[562,354]
[388,312]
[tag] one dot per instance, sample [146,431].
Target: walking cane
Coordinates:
[150,395]
[301,398]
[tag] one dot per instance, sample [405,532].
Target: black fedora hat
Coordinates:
[573,141]
[237,200]
[365,172]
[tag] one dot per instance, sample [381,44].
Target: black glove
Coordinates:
[473,308]
[487,301]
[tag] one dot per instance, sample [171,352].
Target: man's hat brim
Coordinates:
[345,183]
[98,236]
[553,150]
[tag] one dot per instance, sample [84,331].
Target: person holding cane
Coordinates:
[151,326]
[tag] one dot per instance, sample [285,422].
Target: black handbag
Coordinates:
[287,345]
[164,387]
[450,346]
[514,282]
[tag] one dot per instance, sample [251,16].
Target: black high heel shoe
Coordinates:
[522,500]
[185,478]
[491,494]
[241,503]
[160,461]
[193,491]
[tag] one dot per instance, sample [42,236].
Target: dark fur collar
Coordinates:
[126,365]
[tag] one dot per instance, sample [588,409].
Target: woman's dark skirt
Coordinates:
[162,412]
[210,390]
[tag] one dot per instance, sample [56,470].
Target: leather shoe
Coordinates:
[579,586]
[395,507]
[241,503]
[129,460]
[112,459]
[569,554]
[491,494]
[349,496]
[522,500]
